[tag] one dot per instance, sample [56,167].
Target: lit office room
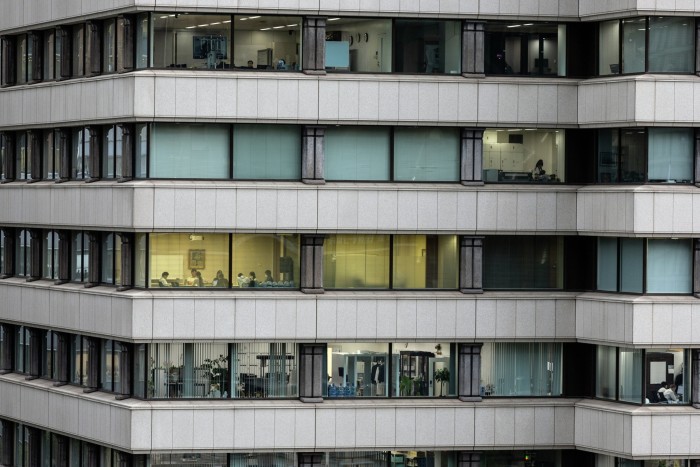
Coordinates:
[523,155]
[359,45]
[225,42]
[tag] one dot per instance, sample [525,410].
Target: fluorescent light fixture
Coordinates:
[190,27]
[265,29]
[514,26]
[253,17]
[291,25]
[202,25]
[163,17]
[227,21]
[528,24]
[212,24]
[244,19]
[171,16]
[333,19]
[515,129]
[530,129]
[277,27]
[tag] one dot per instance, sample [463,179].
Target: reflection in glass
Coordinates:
[633,45]
[512,155]
[190,41]
[671,154]
[521,369]
[357,369]
[142,46]
[525,49]
[425,262]
[606,368]
[359,45]
[356,262]
[609,48]
[630,375]
[267,152]
[426,154]
[671,44]
[261,260]
[189,151]
[424,46]
[631,265]
[50,254]
[357,153]
[191,260]
[669,266]
[109,45]
[633,156]
[607,264]
[522,262]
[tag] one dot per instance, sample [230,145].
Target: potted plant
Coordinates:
[442,376]
[405,385]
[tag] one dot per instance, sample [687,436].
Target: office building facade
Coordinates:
[317,232]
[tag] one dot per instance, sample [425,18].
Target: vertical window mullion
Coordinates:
[617,373]
[390,380]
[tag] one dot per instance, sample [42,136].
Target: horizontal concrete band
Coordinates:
[154,315]
[231,206]
[289,425]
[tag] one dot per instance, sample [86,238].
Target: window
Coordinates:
[426,154]
[142,46]
[48,61]
[359,45]
[425,262]
[111,258]
[671,152]
[425,46]
[623,264]
[84,361]
[391,370]
[523,155]
[109,46]
[112,151]
[190,151]
[23,165]
[267,152]
[78,58]
[141,151]
[62,49]
[80,149]
[51,152]
[80,257]
[521,369]
[533,49]
[622,155]
[23,254]
[654,44]
[643,376]
[22,349]
[114,358]
[357,153]
[190,41]
[50,254]
[267,42]
[274,257]
[3,251]
[264,370]
[523,262]
[356,262]
[192,260]
[21,57]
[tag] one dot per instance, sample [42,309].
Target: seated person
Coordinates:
[659,396]
[163,281]
[193,280]
[670,395]
[538,173]
[242,280]
[219,280]
[252,282]
[214,391]
[250,64]
[268,276]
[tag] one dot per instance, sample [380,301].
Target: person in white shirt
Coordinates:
[163,281]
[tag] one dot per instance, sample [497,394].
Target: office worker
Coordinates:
[219,280]
[268,276]
[199,282]
[250,64]
[251,279]
[163,281]
[538,172]
[192,280]
[242,280]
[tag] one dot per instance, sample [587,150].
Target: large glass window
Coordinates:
[142,46]
[668,376]
[113,362]
[630,379]
[606,370]
[80,144]
[425,262]
[671,155]
[78,57]
[192,260]
[80,257]
[264,370]
[622,263]
[51,155]
[267,42]
[426,46]
[523,155]
[50,254]
[23,254]
[109,46]
[357,153]
[265,261]
[421,370]
[525,49]
[356,262]
[112,149]
[191,41]
[48,55]
[523,262]
[190,151]
[111,259]
[23,162]
[267,152]
[141,151]
[426,154]
[21,57]
[654,44]
[521,369]
[357,44]
[622,155]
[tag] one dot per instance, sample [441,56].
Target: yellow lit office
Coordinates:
[528,155]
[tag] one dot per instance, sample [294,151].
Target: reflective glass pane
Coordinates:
[191,260]
[523,155]
[631,265]
[191,41]
[630,375]
[633,45]
[357,44]
[522,262]
[267,42]
[421,370]
[425,46]
[141,151]
[109,46]
[669,266]
[608,155]
[426,154]
[356,261]
[21,56]
[671,44]
[357,153]
[609,48]
[607,264]
[671,154]
[425,262]
[521,369]
[606,368]
[267,152]
[189,151]
[633,155]
[50,255]
[142,41]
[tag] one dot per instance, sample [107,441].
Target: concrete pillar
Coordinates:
[471,156]
[469,459]
[697,147]
[62,141]
[93,369]
[312,263]
[63,356]
[469,386]
[471,264]
[313,155]
[473,49]
[33,366]
[313,56]
[311,374]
